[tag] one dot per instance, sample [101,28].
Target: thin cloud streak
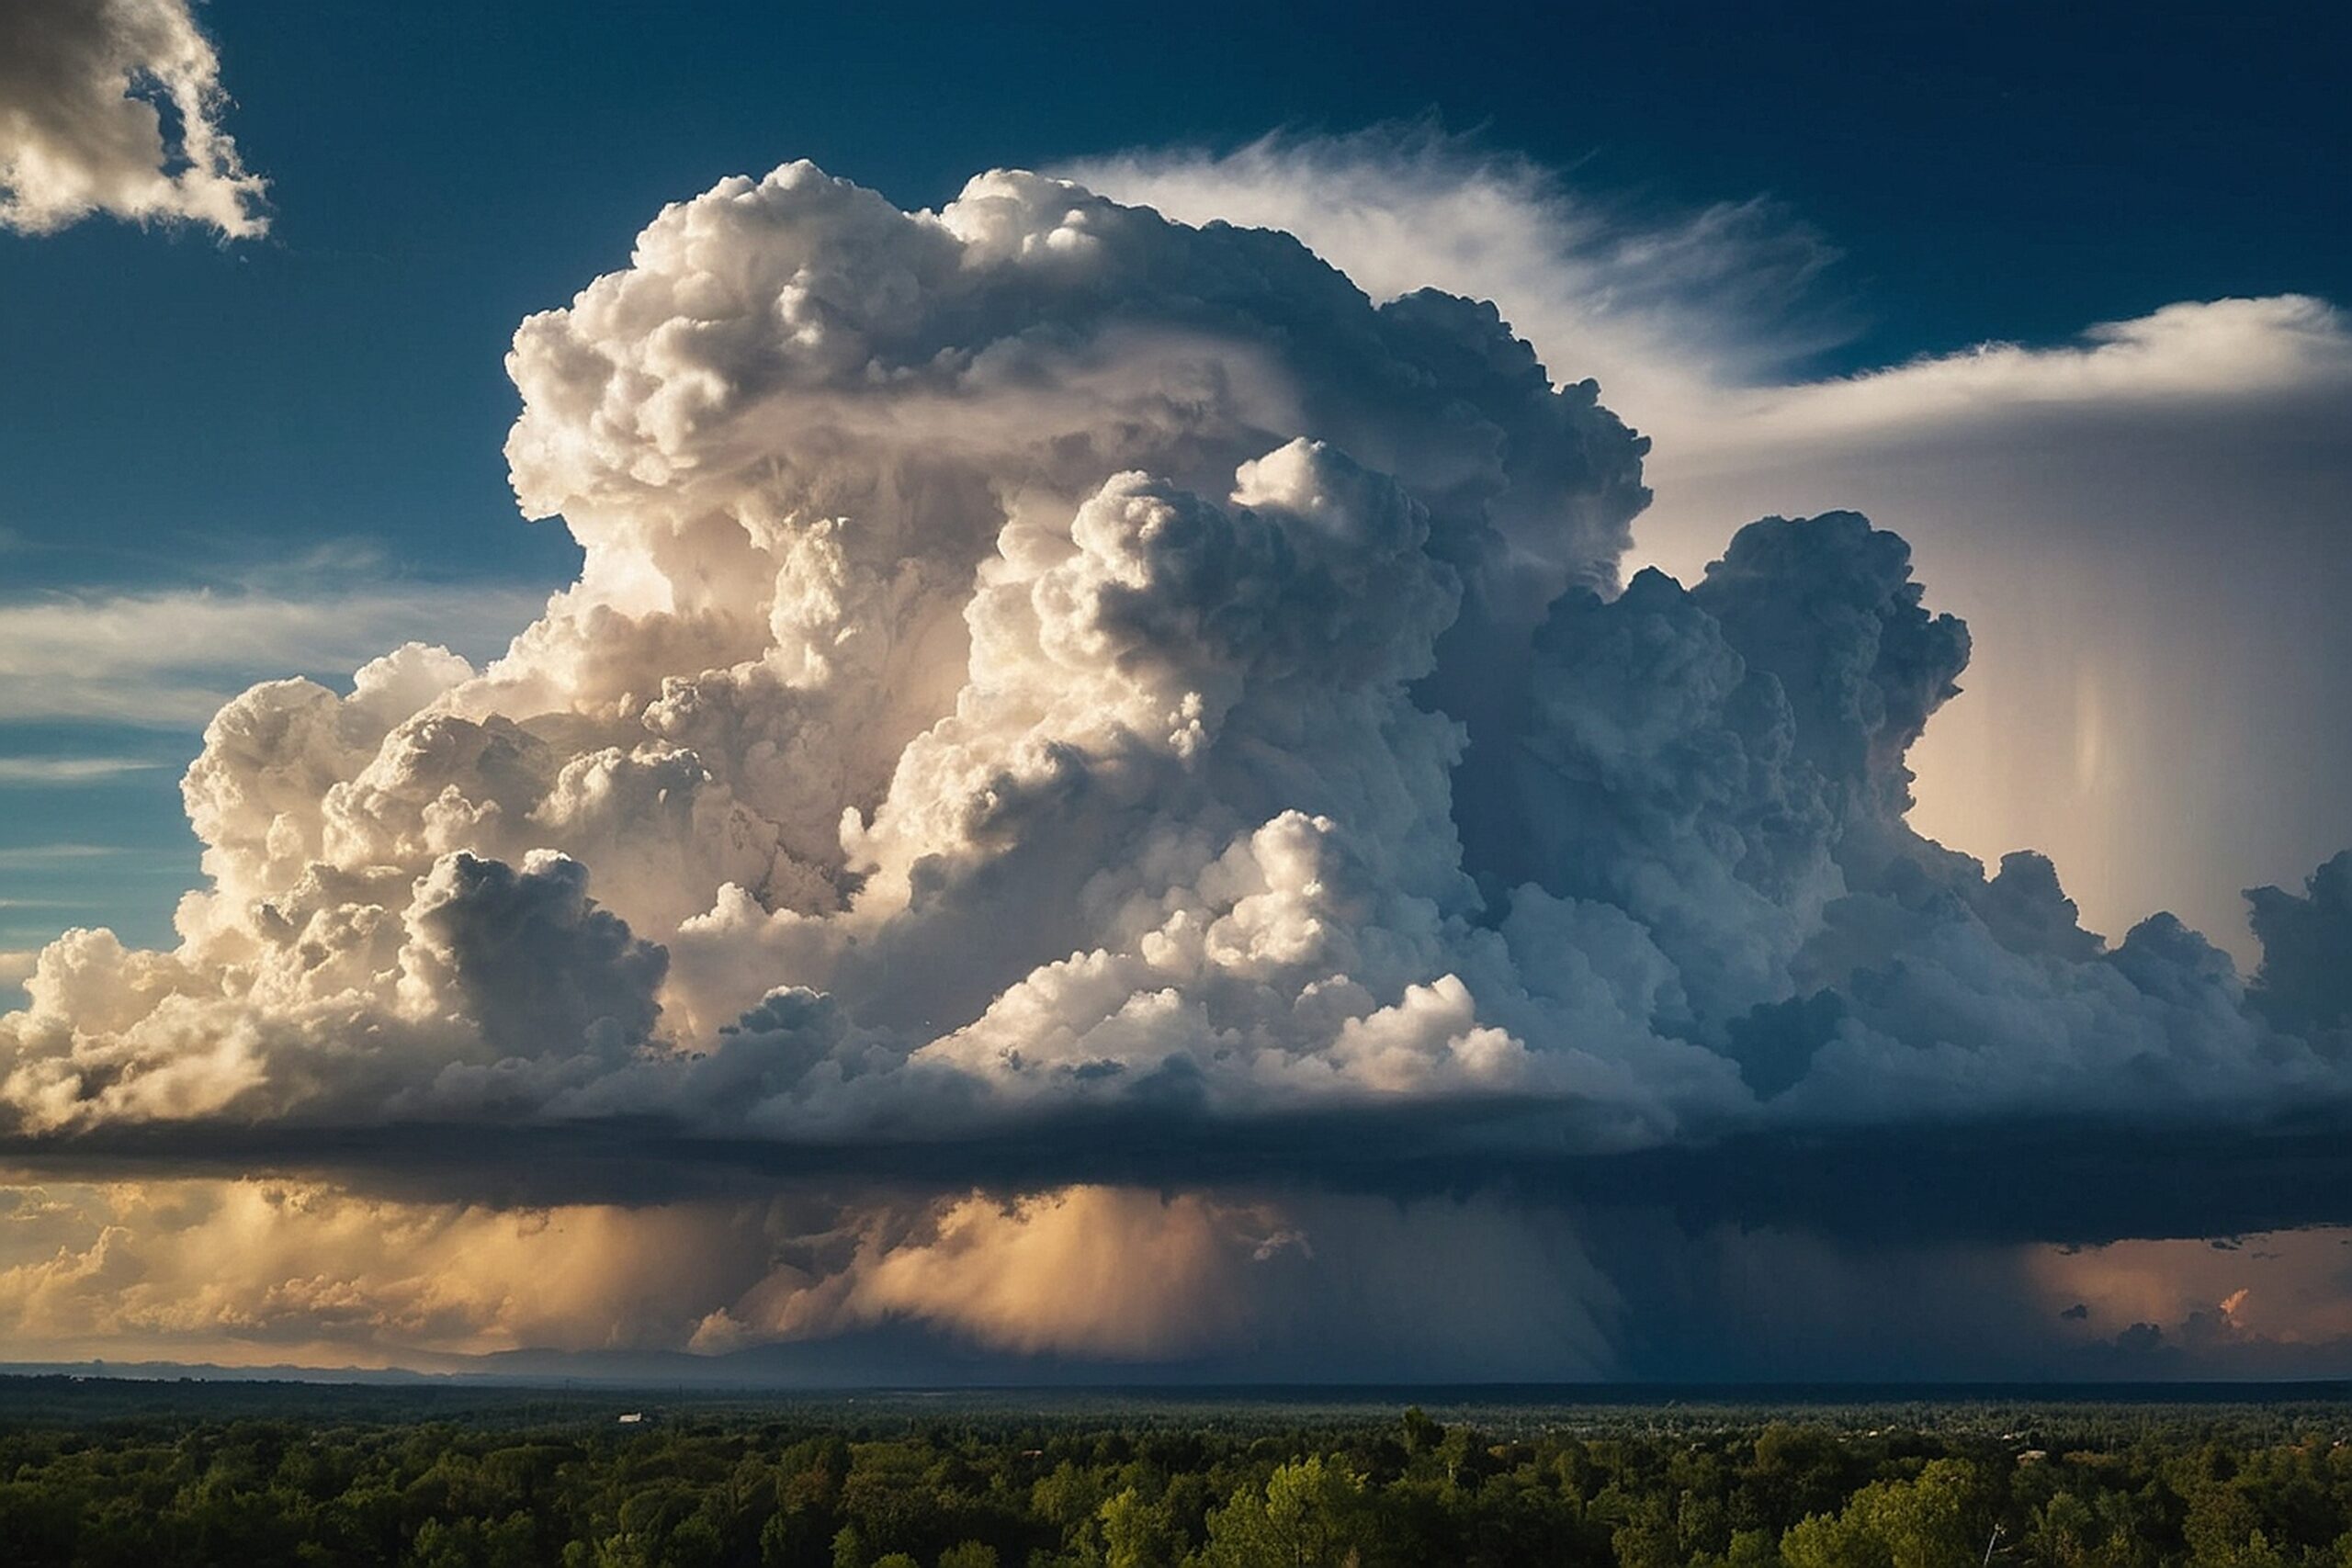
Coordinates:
[172,658]
[2185,355]
[24,855]
[70,770]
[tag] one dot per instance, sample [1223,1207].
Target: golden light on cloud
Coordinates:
[2288,1287]
[1098,1270]
[255,1271]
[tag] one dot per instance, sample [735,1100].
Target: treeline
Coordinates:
[703,1489]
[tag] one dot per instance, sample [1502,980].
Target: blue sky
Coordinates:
[181,411]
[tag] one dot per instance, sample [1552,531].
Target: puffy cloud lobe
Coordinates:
[1039,671]
[2117,691]
[528,957]
[85,90]
[492,988]
[2304,983]
[1726,766]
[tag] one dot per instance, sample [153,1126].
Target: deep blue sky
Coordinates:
[440,169]
[175,410]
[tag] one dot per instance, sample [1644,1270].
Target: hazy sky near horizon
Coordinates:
[1155,771]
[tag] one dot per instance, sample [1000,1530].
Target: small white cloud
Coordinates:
[113,107]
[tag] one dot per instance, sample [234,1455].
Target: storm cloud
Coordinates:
[1082,737]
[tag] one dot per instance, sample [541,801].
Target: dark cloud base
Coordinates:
[2060,1181]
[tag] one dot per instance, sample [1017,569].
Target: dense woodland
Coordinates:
[108,1473]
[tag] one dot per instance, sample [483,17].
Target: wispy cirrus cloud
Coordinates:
[70,770]
[170,658]
[1698,323]
[26,855]
[1664,309]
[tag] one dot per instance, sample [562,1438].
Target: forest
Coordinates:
[107,1473]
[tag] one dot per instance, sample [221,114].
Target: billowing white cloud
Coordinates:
[1065,660]
[114,106]
[1060,702]
[2143,526]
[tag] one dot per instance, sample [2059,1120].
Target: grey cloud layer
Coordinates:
[1056,694]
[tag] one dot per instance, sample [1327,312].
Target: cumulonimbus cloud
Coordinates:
[1059,700]
[114,106]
